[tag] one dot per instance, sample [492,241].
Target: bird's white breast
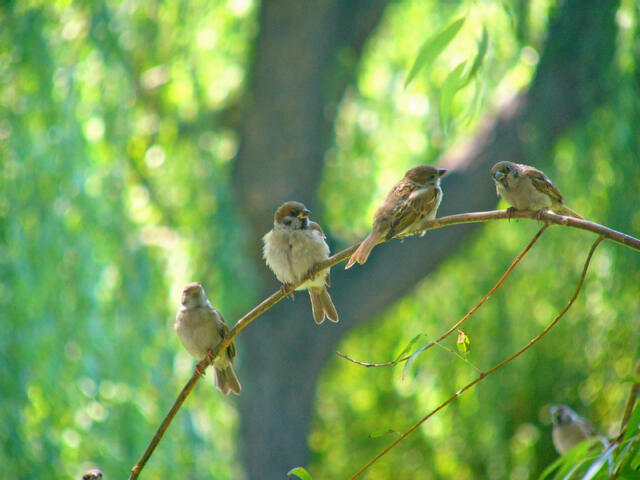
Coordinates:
[291,253]
[520,193]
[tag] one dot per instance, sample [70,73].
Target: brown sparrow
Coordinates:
[527,188]
[200,328]
[412,201]
[93,474]
[292,248]
[569,429]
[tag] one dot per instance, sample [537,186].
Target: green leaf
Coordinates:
[604,458]
[413,357]
[463,342]
[634,423]
[433,47]
[409,346]
[477,61]
[549,470]
[624,455]
[300,472]
[571,461]
[450,86]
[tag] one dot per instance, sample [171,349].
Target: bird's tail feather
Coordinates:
[227,381]
[364,249]
[562,209]
[321,305]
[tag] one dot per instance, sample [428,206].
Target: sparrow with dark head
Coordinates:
[200,328]
[412,201]
[527,188]
[569,428]
[292,249]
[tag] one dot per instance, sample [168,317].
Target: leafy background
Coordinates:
[118,133]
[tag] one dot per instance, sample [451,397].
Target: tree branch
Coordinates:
[469,313]
[242,323]
[481,377]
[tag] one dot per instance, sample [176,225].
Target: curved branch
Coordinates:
[549,217]
[493,369]
[266,304]
[459,323]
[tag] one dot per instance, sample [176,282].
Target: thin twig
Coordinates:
[481,377]
[469,313]
[628,410]
[631,401]
[453,352]
[343,255]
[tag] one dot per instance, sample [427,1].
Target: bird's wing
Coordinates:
[586,427]
[417,206]
[542,183]
[223,330]
[315,226]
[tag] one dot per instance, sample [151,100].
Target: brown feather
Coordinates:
[542,182]
[322,305]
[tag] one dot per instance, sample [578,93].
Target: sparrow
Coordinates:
[569,429]
[200,328]
[527,188]
[93,474]
[412,201]
[292,249]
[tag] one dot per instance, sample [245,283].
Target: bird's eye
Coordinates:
[506,169]
[294,213]
[432,177]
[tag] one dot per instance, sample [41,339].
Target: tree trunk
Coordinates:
[284,135]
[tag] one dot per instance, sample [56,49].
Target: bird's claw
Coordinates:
[311,273]
[209,356]
[283,289]
[510,212]
[200,371]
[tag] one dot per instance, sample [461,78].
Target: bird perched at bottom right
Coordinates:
[570,429]
[200,328]
[527,188]
[412,201]
[93,474]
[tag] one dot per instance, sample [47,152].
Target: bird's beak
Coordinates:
[499,175]
[304,213]
[442,171]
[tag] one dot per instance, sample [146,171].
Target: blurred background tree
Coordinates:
[146,144]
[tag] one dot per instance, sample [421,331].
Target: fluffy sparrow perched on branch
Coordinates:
[569,428]
[527,188]
[413,200]
[292,248]
[200,328]
[93,474]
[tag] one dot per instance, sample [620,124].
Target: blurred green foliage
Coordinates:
[111,177]
[117,132]
[501,428]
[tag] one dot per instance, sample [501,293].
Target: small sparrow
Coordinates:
[527,188]
[93,474]
[292,248]
[412,201]
[200,328]
[569,429]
